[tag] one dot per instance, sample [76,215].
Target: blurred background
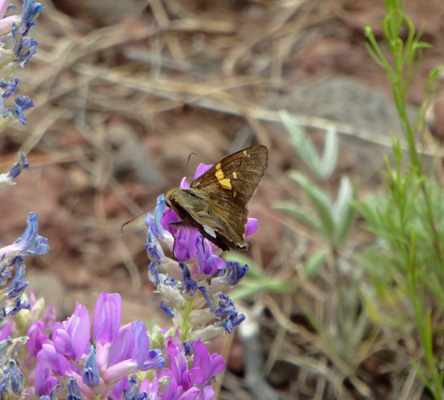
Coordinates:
[124,91]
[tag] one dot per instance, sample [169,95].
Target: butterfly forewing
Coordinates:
[230,184]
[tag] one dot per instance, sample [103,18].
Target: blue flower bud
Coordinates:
[91,376]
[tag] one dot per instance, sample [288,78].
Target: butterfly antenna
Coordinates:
[189,158]
[132,219]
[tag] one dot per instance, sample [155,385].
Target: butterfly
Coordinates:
[216,202]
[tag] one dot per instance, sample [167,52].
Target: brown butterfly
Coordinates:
[216,202]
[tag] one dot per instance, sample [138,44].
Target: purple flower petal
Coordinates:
[233,273]
[22,103]
[150,388]
[5,332]
[122,347]
[118,389]
[185,243]
[191,394]
[169,217]
[207,393]
[201,169]
[43,380]
[208,263]
[130,352]
[24,49]
[251,226]
[72,338]
[49,318]
[107,318]
[189,285]
[179,366]
[184,184]
[7,23]
[31,11]
[153,248]
[48,357]
[36,334]
[169,311]
[3,7]
[205,366]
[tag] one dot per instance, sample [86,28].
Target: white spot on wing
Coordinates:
[210,231]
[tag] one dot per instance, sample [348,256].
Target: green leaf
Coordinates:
[330,156]
[320,202]
[314,263]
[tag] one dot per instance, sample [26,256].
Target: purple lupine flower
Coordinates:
[187,281]
[18,284]
[48,357]
[24,47]
[233,273]
[14,308]
[30,244]
[228,311]
[179,364]
[14,170]
[118,352]
[190,384]
[8,87]
[131,351]
[42,323]
[31,10]
[71,338]
[205,366]
[183,238]
[16,49]
[22,103]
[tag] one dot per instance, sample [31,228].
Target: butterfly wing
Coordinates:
[227,188]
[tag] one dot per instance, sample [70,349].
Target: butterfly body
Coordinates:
[216,202]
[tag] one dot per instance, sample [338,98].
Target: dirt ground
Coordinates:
[124,92]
